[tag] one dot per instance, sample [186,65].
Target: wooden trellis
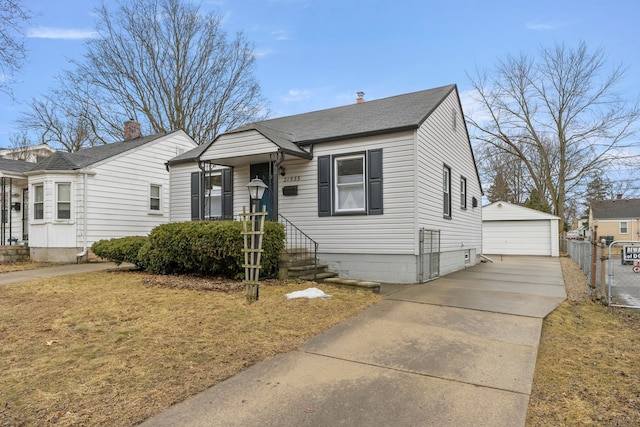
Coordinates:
[253,230]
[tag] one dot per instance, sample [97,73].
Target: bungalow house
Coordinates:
[617,219]
[70,200]
[388,189]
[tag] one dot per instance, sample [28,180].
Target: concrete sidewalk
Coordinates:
[58,270]
[458,351]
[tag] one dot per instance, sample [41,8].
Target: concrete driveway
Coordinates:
[458,351]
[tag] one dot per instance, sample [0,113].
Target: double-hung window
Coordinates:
[446,191]
[155,198]
[63,200]
[623,227]
[463,193]
[38,201]
[213,195]
[349,183]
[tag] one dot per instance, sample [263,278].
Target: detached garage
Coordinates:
[509,229]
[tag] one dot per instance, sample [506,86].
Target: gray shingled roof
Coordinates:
[616,209]
[396,113]
[19,166]
[189,156]
[88,156]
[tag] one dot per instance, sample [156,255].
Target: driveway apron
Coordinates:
[457,351]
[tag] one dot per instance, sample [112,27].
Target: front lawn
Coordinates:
[114,348]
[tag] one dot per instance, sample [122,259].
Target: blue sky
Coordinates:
[315,54]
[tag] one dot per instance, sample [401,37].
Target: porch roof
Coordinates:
[10,166]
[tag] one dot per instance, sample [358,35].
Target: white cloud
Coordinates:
[261,53]
[281,35]
[296,95]
[538,26]
[60,33]
[473,107]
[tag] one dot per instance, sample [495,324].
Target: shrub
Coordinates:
[207,248]
[124,249]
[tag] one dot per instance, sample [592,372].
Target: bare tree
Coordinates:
[564,108]
[13,20]
[67,125]
[162,63]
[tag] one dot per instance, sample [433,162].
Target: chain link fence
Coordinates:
[615,279]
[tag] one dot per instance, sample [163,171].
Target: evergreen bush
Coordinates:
[207,248]
[124,249]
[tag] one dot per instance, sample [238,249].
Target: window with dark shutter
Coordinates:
[374,182]
[324,186]
[342,184]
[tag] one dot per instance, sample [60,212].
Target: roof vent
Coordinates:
[360,97]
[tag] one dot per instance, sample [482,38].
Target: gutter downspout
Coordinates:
[85,249]
[276,173]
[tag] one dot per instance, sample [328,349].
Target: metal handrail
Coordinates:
[298,243]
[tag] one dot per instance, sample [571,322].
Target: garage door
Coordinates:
[516,238]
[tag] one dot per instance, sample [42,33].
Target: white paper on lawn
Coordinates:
[308,293]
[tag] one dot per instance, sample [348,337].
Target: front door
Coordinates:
[264,172]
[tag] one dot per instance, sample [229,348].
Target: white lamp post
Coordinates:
[256,191]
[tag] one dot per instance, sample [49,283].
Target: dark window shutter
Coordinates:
[324,186]
[227,193]
[195,196]
[374,182]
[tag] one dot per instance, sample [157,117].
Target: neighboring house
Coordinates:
[14,201]
[31,153]
[112,190]
[617,219]
[367,182]
[509,229]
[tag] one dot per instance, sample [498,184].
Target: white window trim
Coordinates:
[446,190]
[463,192]
[158,211]
[336,195]
[626,226]
[57,201]
[208,196]
[33,218]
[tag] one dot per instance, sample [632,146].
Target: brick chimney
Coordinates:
[619,196]
[131,130]
[360,99]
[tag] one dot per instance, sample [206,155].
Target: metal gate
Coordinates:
[429,258]
[623,274]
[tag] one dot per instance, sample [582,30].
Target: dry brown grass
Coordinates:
[112,348]
[21,266]
[588,365]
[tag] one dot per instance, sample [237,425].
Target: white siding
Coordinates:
[389,233]
[441,143]
[510,229]
[50,231]
[116,200]
[248,143]
[118,193]
[180,191]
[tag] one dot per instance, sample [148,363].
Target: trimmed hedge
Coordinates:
[207,248]
[120,250]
